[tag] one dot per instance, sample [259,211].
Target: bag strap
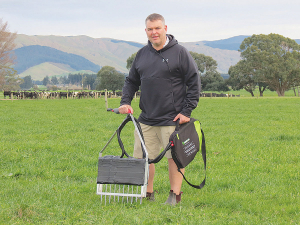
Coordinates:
[161,155]
[168,147]
[203,149]
[127,119]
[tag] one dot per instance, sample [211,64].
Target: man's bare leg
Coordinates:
[175,177]
[151,178]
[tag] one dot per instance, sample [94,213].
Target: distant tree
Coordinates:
[110,79]
[54,80]
[37,82]
[97,83]
[271,61]
[211,79]
[89,80]
[8,76]
[62,80]
[46,80]
[75,78]
[28,83]
[241,77]
[130,61]
[204,63]
[12,81]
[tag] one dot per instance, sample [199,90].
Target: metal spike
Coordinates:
[105,191]
[115,192]
[110,192]
[119,192]
[123,193]
[127,193]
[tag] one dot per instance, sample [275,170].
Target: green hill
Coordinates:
[227,44]
[111,52]
[33,55]
[100,51]
[42,70]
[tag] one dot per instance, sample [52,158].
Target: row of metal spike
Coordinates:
[115,192]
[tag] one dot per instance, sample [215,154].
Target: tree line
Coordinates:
[106,78]
[267,62]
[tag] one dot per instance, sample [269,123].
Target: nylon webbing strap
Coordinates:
[203,150]
[127,119]
[161,155]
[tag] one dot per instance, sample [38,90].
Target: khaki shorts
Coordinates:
[156,139]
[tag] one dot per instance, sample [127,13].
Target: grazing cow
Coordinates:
[63,94]
[17,94]
[81,94]
[119,93]
[138,94]
[53,94]
[7,93]
[75,94]
[30,95]
[45,94]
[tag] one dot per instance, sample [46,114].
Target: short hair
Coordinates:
[155,16]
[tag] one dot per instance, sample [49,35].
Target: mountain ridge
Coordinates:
[113,52]
[29,56]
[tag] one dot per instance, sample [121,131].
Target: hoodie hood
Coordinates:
[172,42]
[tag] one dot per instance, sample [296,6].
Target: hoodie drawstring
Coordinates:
[164,60]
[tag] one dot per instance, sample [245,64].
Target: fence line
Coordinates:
[83,94]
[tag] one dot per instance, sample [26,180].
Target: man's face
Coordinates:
[156,32]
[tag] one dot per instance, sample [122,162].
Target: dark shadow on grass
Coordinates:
[284,137]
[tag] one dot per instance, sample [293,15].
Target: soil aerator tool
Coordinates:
[122,177]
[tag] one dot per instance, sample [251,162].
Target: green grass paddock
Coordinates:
[49,151]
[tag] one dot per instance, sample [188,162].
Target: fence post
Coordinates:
[106,103]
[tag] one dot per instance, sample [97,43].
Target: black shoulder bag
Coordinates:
[185,142]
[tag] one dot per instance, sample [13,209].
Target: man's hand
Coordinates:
[182,118]
[124,109]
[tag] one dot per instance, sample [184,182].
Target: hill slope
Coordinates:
[111,52]
[33,55]
[42,70]
[106,51]
[100,51]
[227,44]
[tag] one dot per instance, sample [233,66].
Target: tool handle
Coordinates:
[116,110]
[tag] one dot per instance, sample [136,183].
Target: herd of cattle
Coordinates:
[82,94]
[61,94]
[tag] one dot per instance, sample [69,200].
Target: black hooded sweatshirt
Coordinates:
[169,83]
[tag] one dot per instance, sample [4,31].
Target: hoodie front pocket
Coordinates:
[156,97]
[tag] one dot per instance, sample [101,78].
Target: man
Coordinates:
[170,85]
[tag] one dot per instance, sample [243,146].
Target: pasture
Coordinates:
[49,151]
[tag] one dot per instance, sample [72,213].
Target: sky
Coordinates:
[187,20]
